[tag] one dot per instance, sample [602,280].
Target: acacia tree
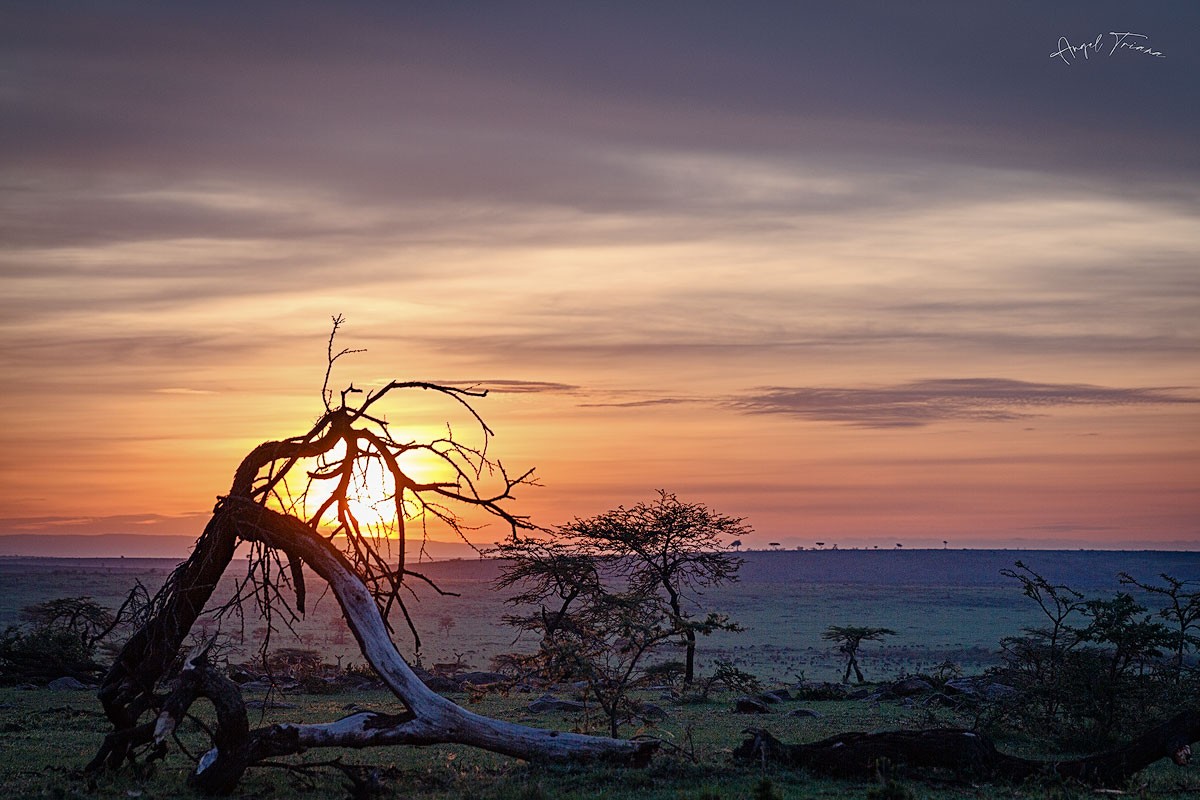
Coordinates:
[848,639]
[546,571]
[596,625]
[60,637]
[1182,613]
[669,546]
[603,643]
[298,501]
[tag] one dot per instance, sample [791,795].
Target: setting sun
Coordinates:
[372,496]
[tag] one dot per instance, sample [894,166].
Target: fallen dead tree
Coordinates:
[970,755]
[301,501]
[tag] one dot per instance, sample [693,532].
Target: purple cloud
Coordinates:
[940,400]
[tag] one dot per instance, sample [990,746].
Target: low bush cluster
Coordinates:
[1099,667]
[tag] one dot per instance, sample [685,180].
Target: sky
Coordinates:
[861,273]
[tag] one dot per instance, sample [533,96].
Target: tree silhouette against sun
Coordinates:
[315,499]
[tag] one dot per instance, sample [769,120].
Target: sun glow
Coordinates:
[371,491]
[372,495]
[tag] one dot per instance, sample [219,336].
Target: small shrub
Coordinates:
[727,676]
[765,790]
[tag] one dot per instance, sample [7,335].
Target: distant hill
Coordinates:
[133,545]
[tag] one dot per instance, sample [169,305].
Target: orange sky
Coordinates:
[892,298]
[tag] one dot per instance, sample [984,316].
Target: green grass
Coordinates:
[47,736]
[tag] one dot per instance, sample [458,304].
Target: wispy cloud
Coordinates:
[658,401]
[183,391]
[116,523]
[515,386]
[941,400]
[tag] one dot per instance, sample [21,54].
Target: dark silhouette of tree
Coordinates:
[603,643]
[546,571]
[59,638]
[670,546]
[1039,656]
[848,639]
[300,500]
[1087,680]
[1182,614]
[599,620]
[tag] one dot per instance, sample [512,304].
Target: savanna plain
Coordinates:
[949,609]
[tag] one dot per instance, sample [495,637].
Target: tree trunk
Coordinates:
[971,755]
[689,665]
[689,635]
[429,719]
[127,691]
[220,770]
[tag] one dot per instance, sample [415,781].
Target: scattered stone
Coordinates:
[860,694]
[67,683]
[805,712]
[998,691]
[969,686]
[241,676]
[650,711]
[979,687]
[549,702]
[438,683]
[482,678]
[750,705]
[907,687]
[771,698]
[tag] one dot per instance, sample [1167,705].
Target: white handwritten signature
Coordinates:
[1120,41]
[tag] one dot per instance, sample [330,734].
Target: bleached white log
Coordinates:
[433,719]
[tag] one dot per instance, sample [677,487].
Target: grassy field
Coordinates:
[46,736]
[950,605]
[945,605]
